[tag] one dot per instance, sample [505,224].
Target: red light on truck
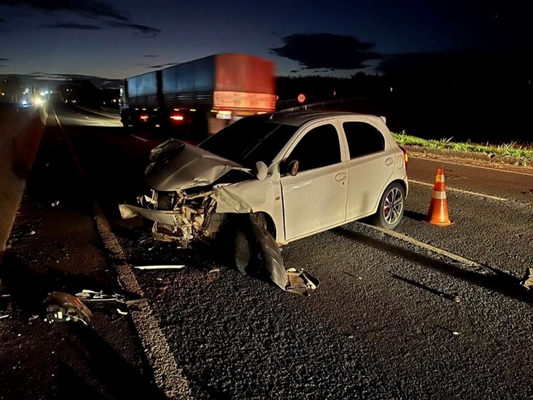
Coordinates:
[177,117]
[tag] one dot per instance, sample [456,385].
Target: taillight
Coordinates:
[143,117]
[177,117]
[405,156]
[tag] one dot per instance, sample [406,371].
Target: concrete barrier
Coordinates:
[21,130]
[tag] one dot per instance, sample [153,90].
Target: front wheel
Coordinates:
[243,250]
[391,207]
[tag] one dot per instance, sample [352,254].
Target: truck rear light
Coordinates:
[177,117]
[143,117]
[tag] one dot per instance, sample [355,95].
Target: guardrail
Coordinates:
[323,103]
[110,110]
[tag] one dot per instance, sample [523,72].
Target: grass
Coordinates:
[523,153]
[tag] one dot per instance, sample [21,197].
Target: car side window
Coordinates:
[363,139]
[318,148]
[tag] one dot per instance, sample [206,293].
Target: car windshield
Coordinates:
[249,140]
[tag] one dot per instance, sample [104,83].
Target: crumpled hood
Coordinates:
[178,166]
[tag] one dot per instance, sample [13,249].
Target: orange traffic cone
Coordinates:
[438,208]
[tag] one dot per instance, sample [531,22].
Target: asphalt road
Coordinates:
[395,316]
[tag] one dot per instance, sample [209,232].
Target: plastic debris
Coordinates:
[4,316]
[91,296]
[65,307]
[145,239]
[290,280]
[300,282]
[160,266]
[527,280]
[122,312]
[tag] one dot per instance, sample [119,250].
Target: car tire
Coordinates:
[247,255]
[243,248]
[391,207]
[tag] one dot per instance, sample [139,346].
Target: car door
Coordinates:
[369,168]
[315,198]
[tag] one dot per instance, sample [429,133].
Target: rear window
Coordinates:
[249,140]
[363,139]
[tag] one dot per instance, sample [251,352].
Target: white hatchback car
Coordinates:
[297,172]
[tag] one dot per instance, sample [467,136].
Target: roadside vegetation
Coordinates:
[522,152]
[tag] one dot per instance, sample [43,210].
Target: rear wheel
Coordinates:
[391,207]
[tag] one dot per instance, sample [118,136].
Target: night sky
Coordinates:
[120,38]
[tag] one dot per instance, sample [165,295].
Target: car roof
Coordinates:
[299,117]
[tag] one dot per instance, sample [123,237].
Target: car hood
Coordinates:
[176,165]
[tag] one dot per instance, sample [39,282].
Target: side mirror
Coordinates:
[261,170]
[292,167]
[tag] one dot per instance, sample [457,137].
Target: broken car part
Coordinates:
[290,280]
[91,296]
[159,266]
[65,307]
[527,280]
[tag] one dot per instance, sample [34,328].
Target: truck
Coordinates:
[196,99]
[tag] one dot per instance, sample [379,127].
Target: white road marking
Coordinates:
[167,375]
[473,166]
[166,372]
[138,137]
[461,191]
[426,246]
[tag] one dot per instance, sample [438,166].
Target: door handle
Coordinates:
[389,161]
[340,176]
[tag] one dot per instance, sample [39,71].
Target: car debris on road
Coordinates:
[527,280]
[290,280]
[91,296]
[62,307]
[145,267]
[66,307]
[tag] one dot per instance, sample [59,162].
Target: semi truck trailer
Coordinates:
[199,97]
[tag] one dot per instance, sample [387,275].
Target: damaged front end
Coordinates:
[178,216]
[182,202]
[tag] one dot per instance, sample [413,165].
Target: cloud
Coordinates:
[2,20]
[94,9]
[89,8]
[149,56]
[70,25]
[4,59]
[142,29]
[2,66]
[326,51]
